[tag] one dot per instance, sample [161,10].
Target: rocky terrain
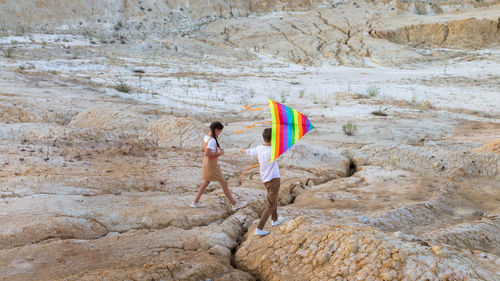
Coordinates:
[103,105]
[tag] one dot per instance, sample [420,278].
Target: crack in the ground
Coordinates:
[290,40]
[297,28]
[322,42]
[352,168]
[325,21]
[226,34]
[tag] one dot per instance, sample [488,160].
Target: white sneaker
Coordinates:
[277,222]
[260,232]
[197,205]
[239,205]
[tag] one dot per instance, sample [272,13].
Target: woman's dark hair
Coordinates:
[216,125]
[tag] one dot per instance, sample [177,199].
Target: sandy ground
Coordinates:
[99,161]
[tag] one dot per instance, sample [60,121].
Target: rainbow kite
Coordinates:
[288,126]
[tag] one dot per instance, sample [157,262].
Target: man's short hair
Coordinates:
[267,134]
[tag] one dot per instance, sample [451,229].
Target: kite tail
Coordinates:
[255,109]
[239,132]
[244,172]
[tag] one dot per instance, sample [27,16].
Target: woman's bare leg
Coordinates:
[223,183]
[203,185]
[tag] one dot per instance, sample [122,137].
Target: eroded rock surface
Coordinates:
[103,105]
[302,250]
[169,254]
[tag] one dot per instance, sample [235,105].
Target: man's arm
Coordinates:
[250,151]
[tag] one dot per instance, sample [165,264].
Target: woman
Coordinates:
[211,169]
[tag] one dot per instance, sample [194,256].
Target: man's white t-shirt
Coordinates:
[268,171]
[211,144]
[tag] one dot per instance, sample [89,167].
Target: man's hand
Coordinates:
[243,151]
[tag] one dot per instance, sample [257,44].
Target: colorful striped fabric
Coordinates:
[288,127]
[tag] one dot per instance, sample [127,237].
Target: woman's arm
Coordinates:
[212,146]
[211,154]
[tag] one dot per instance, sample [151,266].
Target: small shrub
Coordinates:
[64,118]
[118,26]
[379,113]
[252,93]
[283,96]
[350,128]
[338,97]
[301,93]
[8,52]
[20,31]
[421,9]
[25,66]
[373,91]
[121,86]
